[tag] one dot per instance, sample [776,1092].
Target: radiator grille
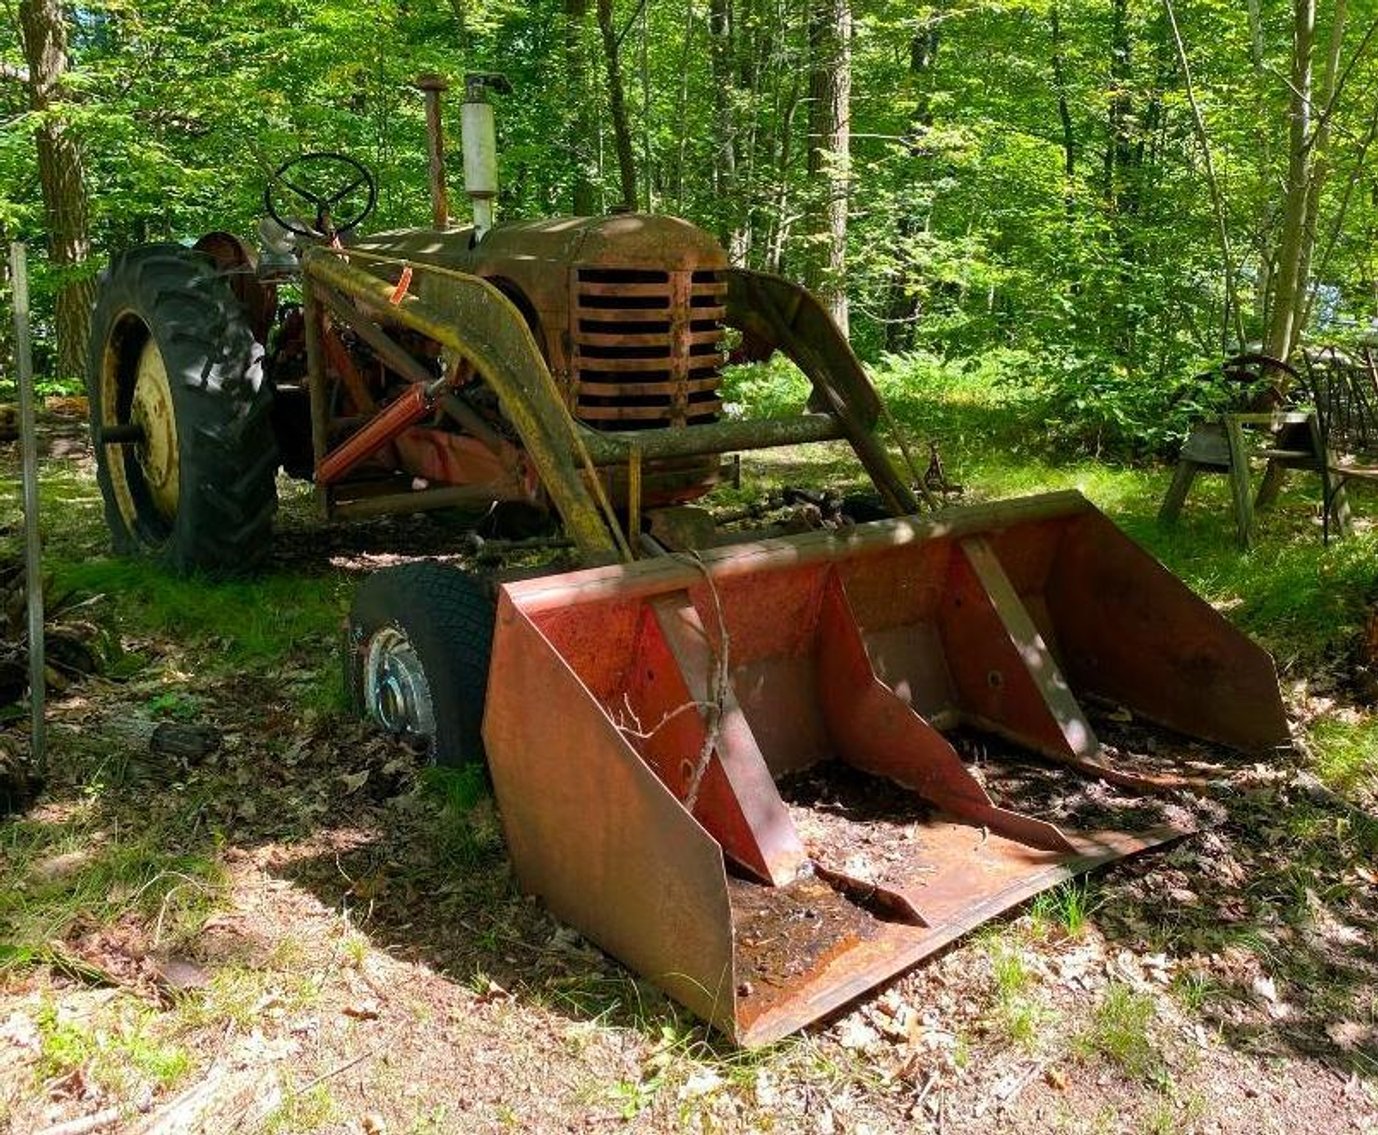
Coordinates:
[647,346]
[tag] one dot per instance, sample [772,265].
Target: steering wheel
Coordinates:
[323,180]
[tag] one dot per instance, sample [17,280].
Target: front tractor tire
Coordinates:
[181,414]
[419,641]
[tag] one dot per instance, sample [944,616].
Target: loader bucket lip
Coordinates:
[900,948]
[671,742]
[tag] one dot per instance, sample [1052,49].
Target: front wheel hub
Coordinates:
[396,692]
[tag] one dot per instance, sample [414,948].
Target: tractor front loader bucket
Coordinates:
[730,770]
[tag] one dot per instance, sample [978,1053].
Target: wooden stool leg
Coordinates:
[1182,477]
[1339,509]
[1239,483]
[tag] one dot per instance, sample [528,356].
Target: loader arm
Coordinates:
[472,318]
[782,316]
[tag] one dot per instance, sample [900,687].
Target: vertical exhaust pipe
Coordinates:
[481,146]
[433,86]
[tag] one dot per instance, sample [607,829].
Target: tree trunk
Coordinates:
[682,107]
[582,125]
[1287,281]
[65,207]
[721,55]
[780,223]
[1064,114]
[1320,165]
[1120,109]
[830,91]
[460,10]
[903,307]
[617,105]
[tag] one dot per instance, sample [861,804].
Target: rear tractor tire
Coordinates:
[181,414]
[419,641]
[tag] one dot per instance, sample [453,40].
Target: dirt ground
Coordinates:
[302,931]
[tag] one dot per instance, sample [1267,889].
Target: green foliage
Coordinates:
[1017,186]
[130,1052]
[248,621]
[70,870]
[466,828]
[1348,753]
[772,389]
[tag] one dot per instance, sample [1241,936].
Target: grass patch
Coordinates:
[118,1053]
[1347,753]
[1067,907]
[1121,1032]
[1016,1015]
[302,1111]
[466,830]
[262,620]
[1194,988]
[1172,1115]
[66,871]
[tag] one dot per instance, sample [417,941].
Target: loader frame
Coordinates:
[483,332]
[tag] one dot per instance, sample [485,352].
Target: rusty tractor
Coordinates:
[727,758]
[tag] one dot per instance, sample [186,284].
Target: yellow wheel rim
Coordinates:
[152,409]
[145,477]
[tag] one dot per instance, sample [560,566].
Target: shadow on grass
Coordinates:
[1273,918]
[1284,890]
[1279,892]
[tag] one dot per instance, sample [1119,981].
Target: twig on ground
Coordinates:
[917,1107]
[1012,1093]
[85,1124]
[345,1067]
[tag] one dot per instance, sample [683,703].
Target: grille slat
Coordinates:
[593,389]
[661,313]
[698,411]
[660,329]
[645,338]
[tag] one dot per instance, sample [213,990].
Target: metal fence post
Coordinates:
[28,442]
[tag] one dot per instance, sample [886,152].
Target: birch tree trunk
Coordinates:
[722,52]
[1320,166]
[43,26]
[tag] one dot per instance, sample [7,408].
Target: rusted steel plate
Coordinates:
[595,834]
[971,881]
[1203,678]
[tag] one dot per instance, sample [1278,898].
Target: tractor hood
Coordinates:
[623,240]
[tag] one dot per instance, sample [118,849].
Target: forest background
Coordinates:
[1086,203]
